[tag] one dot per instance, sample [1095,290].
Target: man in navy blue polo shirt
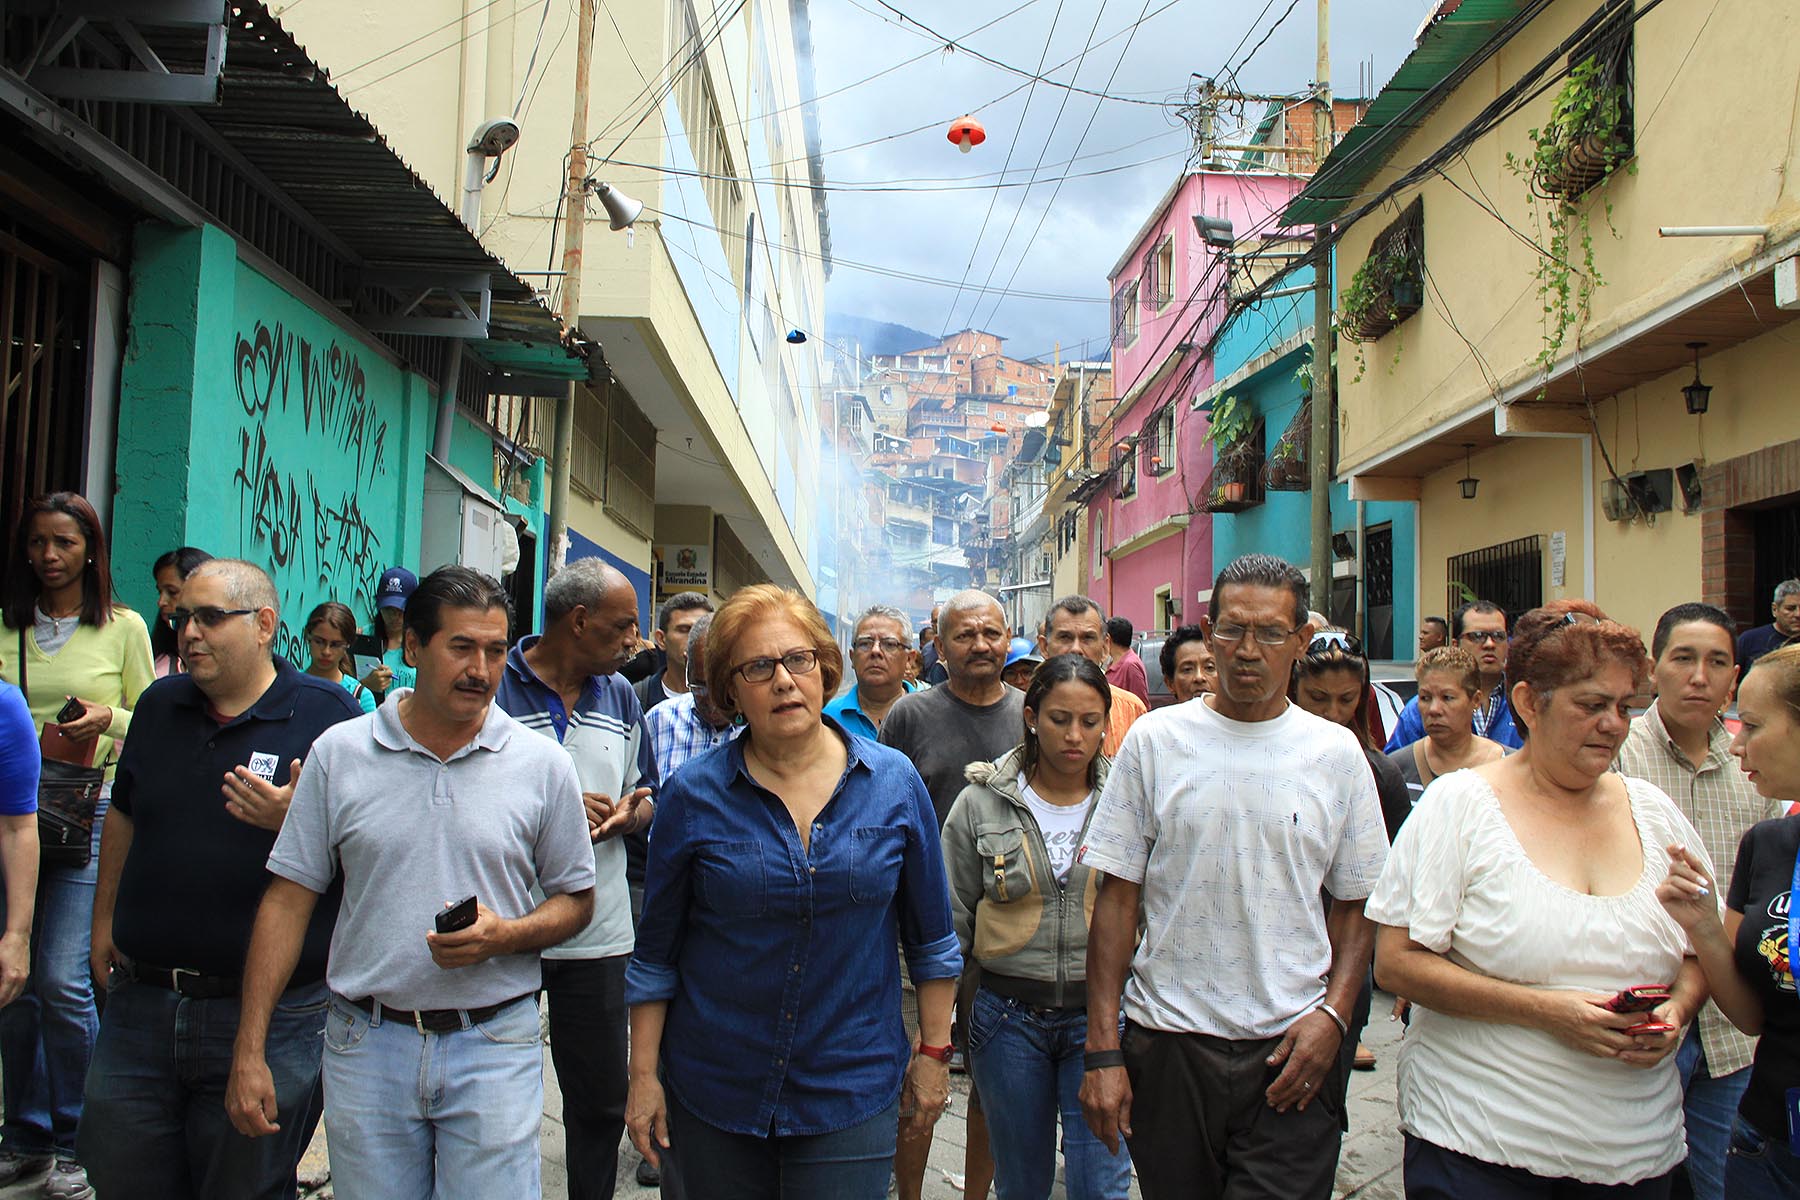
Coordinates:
[565,685]
[202,788]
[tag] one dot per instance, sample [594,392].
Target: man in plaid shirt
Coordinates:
[1682,746]
[687,725]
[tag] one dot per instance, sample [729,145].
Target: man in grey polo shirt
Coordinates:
[433,1073]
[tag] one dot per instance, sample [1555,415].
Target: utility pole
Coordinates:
[1324,410]
[575,204]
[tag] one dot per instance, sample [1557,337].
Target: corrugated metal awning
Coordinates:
[1452,44]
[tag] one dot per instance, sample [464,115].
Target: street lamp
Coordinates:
[1696,393]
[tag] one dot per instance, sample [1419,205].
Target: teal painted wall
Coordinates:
[254,426]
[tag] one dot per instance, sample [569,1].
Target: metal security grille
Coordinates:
[1378,575]
[1777,540]
[43,372]
[1510,574]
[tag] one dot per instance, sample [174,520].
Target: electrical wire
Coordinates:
[531,63]
[1011,145]
[1079,142]
[382,78]
[1245,61]
[1036,77]
[888,272]
[1049,136]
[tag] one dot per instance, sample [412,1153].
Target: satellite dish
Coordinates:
[1037,420]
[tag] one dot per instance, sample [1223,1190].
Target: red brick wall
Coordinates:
[1727,548]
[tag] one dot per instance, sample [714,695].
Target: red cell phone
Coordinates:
[460,915]
[1650,1026]
[1638,999]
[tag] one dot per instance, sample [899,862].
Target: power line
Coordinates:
[872,268]
[1035,77]
[1042,151]
[1057,190]
[1011,145]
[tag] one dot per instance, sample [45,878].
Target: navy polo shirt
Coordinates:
[195,874]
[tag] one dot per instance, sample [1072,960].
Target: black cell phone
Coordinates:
[460,915]
[74,710]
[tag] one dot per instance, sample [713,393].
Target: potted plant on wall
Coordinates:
[1586,138]
[1229,434]
[1386,289]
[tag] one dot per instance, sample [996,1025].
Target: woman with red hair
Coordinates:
[764,989]
[1518,903]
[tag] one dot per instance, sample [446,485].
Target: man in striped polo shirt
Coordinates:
[565,685]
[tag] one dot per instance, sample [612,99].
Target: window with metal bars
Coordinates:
[1509,574]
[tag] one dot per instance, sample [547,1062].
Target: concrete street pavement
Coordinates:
[1368,1167]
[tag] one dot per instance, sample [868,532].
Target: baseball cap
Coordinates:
[397,584]
[1022,650]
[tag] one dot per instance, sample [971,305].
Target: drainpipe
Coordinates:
[446,410]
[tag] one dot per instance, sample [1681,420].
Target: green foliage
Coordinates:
[1583,142]
[1386,282]
[1232,422]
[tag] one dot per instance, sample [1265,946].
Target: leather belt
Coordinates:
[183,982]
[434,1020]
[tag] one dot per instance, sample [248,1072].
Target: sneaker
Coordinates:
[15,1166]
[68,1181]
[647,1175]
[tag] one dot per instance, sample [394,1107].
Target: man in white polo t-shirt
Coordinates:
[1221,823]
[433,1072]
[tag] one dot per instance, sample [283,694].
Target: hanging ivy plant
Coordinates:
[1385,289]
[1585,140]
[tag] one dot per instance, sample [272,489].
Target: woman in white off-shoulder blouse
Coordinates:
[1520,897]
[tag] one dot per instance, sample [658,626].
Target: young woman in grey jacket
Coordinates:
[1021,905]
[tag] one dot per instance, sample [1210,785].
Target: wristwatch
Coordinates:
[941,1053]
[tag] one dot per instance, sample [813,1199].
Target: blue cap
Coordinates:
[1020,648]
[397,585]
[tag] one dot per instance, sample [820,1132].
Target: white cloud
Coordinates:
[933,232]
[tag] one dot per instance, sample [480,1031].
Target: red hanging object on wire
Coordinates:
[967,132]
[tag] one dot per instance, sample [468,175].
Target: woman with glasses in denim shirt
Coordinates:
[768,1050]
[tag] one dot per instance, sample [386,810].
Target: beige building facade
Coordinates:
[1546,470]
[700,439]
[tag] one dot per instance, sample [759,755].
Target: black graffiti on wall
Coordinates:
[334,394]
[301,482]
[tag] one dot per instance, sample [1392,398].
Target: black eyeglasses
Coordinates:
[1331,640]
[795,662]
[1484,636]
[863,645]
[208,616]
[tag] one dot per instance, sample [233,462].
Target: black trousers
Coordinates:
[589,1037]
[1434,1173]
[1202,1126]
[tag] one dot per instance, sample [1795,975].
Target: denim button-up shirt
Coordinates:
[778,962]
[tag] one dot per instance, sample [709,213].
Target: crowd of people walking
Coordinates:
[242,896]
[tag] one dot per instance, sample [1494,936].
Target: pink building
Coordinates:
[1152,538]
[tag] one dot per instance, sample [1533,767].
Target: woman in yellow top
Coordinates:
[63,638]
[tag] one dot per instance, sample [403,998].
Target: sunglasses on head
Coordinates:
[1332,639]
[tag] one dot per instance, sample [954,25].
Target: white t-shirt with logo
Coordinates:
[1233,828]
[1061,826]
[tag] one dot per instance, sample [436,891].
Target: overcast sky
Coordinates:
[1139,147]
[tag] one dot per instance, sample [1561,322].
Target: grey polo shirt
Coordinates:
[410,832]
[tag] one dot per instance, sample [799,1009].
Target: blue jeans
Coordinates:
[1759,1168]
[433,1116]
[47,1034]
[1027,1064]
[155,1124]
[1710,1105]
[848,1164]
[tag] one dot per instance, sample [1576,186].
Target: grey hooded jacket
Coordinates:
[1027,932]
